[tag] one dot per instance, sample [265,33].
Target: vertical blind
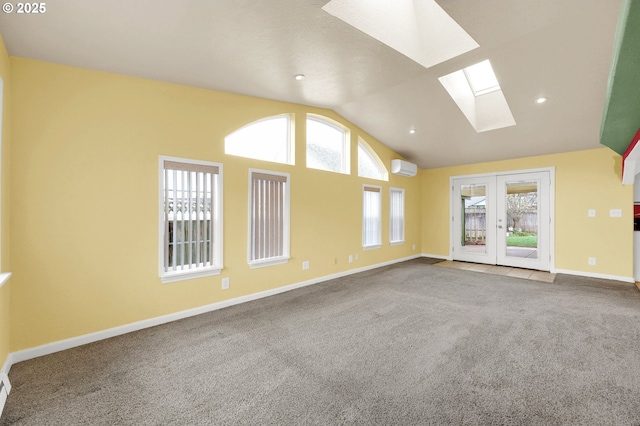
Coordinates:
[267,215]
[371,216]
[396,219]
[188,214]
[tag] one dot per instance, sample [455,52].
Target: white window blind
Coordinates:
[371,217]
[396,215]
[269,218]
[191,217]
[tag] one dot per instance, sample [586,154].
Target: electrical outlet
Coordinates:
[335,260]
[350,258]
[591,213]
[592,261]
[413,247]
[615,213]
[357,257]
[305,265]
[225,283]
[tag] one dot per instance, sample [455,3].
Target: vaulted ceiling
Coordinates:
[561,50]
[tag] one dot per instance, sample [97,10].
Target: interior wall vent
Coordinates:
[403,168]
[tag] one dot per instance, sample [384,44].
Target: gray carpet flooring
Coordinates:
[406,344]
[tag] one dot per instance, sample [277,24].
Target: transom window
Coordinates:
[190,219]
[369,164]
[269,139]
[327,145]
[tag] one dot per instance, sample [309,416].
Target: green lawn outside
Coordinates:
[522,241]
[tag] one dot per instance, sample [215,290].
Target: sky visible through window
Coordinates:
[266,140]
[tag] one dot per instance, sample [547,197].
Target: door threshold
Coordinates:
[528,274]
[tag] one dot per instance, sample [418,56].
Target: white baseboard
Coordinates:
[560,271]
[7,365]
[5,385]
[73,342]
[594,275]
[436,256]
[3,398]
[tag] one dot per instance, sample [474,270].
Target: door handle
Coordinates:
[500,226]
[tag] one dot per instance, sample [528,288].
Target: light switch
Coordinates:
[592,213]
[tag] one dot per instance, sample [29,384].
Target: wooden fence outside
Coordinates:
[475,226]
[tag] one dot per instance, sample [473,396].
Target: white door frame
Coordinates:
[552,197]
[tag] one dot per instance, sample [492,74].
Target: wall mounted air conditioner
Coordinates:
[403,168]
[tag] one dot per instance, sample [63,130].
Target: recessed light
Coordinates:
[299,77]
[412,131]
[541,100]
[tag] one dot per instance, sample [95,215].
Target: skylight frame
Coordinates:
[485,109]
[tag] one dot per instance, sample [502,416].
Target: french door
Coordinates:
[503,219]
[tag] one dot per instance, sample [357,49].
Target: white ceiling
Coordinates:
[557,49]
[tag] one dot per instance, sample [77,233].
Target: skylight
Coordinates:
[481,78]
[476,91]
[420,30]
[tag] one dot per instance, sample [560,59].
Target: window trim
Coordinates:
[291,146]
[391,241]
[376,159]
[377,189]
[346,142]
[286,237]
[4,276]
[2,125]
[217,211]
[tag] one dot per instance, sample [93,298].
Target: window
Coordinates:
[268,218]
[327,145]
[269,139]
[371,217]
[369,164]
[190,219]
[481,78]
[396,216]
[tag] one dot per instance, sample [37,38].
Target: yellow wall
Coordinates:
[84,184]
[4,206]
[84,202]
[583,180]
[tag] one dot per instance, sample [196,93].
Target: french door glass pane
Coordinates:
[522,219]
[473,199]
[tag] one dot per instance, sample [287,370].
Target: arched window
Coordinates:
[327,145]
[369,164]
[268,139]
